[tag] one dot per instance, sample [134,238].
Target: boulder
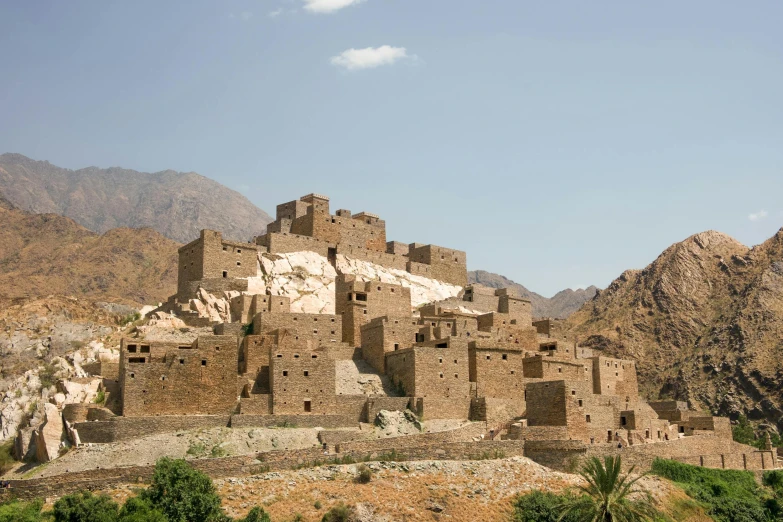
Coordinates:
[49,435]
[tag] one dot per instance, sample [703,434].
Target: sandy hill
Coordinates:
[176,204]
[705,321]
[559,306]
[43,254]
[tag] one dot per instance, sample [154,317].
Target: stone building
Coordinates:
[479,356]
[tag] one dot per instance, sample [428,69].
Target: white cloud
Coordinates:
[328,6]
[247,15]
[369,57]
[274,14]
[758,216]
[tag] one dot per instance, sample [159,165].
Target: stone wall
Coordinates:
[497,372]
[293,421]
[301,380]
[284,243]
[429,408]
[323,328]
[128,428]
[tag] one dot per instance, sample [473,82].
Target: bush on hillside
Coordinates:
[182,493]
[85,507]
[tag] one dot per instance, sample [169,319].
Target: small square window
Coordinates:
[306,373]
[285,373]
[587,418]
[203,362]
[505,356]
[182,361]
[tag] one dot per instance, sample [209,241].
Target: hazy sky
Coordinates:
[558,143]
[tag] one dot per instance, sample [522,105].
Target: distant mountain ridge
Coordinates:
[559,306]
[176,204]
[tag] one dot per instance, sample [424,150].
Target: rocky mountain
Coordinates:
[705,322]
[559,306]
[44,254]
[176,204]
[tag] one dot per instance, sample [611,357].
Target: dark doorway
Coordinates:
[307,406]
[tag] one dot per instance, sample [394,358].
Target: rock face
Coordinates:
[705,322]
[559,306]
[176,204]
[308,279]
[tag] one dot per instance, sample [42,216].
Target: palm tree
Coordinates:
[605,498]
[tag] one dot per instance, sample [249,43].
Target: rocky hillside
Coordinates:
[559,306]
[704,320]
[43,254]
[176,204]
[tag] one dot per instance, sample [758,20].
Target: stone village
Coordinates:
[477,355]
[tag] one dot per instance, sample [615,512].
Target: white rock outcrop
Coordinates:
[308,279]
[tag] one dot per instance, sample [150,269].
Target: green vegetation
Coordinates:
[606,497]
[197,449]
[744,433]
[100,397]
[540,506]
[46,375]
[85,507]
[247,329]
[16,511]
[182,493]
[727,495]
[339,513]
[7,459]
[257,514]
[363,475]
[218,451]
[128,319]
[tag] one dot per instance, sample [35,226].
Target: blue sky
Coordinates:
[558,143]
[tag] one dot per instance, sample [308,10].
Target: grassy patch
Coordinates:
[727,495]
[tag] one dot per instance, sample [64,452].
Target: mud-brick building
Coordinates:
[160,378]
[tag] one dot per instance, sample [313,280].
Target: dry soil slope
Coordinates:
[704,320]
[176,204]
[44,254]
[559,306]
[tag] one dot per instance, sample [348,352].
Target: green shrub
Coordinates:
[100,397]
[139,510]
[85,507]
[540,506]
[182,493]
[18,511]
[256,514]
[317,504]
[774,480]
[339,513]
[364,474]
